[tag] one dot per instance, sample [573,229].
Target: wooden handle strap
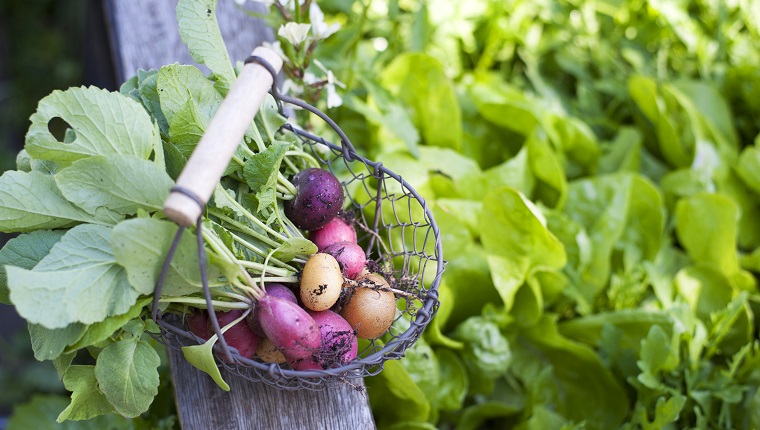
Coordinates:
[213,153]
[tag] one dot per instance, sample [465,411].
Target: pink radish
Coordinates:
[289,327]
[307,363]
[335,231]
[239,336]
[350,256]
[339,344]
[275,290]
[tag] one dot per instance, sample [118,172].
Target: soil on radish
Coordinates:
[334,347]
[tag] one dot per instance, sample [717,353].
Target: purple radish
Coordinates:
[318,200]
[273,289]
[339,343]
[334,231]
[350,256]
[289,327]
[239,336]
[197,322]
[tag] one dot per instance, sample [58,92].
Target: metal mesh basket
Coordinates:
[399,234]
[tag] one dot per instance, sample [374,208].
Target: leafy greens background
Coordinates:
[593,166]
[45,45]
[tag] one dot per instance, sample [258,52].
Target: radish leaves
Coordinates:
[127,374]
[25,251]
[87,401]
[202,357]
[141,245]
[121,183]
[31,201]
[79,281]
[120,127]
[200,32]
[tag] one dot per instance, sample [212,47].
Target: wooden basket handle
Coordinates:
[213,153]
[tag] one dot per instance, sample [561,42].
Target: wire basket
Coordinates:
[397,230]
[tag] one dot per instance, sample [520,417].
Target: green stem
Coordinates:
[264,268]
[250,292]
[282,279]
[218,304]
[257,251]
[308,157]
[270,134]
[217,246]
[269,255]
[285,228]
[240,318]
[235,296]
[248,151]
[282,190]
[290,164]
[259,141]
[251,217]
[290,227]
[280,177]
[289,187]
[216,243]
[243,228]
[255,291]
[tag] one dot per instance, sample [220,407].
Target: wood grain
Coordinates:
[144,35]
[258,406]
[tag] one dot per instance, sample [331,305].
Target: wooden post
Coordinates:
[144,35]
[250,405]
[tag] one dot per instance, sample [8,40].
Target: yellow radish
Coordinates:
[321,282]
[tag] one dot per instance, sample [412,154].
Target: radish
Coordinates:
[334,231]
[289,327]
[371,307]
[339,343]
[350,257]
[307,363]
[275,290]
[197,322]
[318,200]
[321,282]
[239,336]
[269,353]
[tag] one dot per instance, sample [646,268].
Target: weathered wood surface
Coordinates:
[258,406]
[144,35]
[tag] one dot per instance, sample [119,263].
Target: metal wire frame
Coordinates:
[399,233]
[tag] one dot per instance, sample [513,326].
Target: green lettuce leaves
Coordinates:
[599,220]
